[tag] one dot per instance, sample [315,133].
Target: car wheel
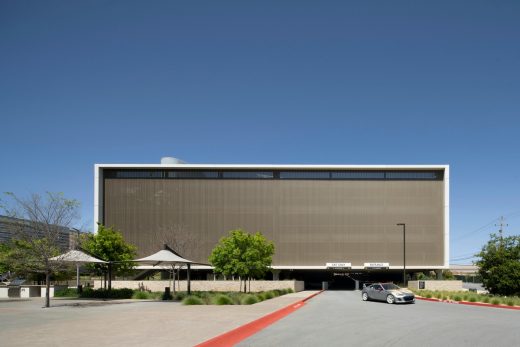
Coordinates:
[364,296]
[390,299]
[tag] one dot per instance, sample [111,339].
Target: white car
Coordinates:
[388,292]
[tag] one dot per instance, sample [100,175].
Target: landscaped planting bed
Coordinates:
[196,298]
[468,296]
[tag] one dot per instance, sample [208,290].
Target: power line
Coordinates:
[499,220]
[463,258]
[476,230]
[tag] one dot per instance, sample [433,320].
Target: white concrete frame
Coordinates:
[98,193]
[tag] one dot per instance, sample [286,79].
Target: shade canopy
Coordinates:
[168,256]
[77,257]
[164,256]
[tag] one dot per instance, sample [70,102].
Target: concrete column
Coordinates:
[276,274]
[439,274]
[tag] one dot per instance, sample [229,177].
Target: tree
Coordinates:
[109,245]
[176,236]
[5,251]
[37,224]
[499,265]
[242,254]
[179,238]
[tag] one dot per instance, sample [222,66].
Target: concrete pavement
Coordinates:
[124,322]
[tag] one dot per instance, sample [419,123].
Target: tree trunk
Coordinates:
[179,279]
[109,276]
[245,285]
[48,289]
[173,275]
[249,284]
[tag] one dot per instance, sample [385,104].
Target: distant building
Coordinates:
[67,237]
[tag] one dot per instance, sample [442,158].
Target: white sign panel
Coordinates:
[338,265]
[377,265]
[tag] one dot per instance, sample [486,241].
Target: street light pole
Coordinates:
[404,252]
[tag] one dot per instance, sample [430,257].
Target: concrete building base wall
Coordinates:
[51,291]
[217,286]
[437,285]
[4,292]
[30,292]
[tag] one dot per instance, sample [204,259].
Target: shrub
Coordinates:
[249,300]
[457,298]
[260,298]
[123,293]
[236,297]
[428,295]
[192,300]
[465,297]
[290,290]
[268,295]
[510,302]
[495,301]
[222,300]
[179,296]
[486,299]
[166,296]
[66,293]
[444,297]
[140,295]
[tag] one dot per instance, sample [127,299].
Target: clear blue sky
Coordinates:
[296,82]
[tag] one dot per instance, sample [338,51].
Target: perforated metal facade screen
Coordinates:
[311,221]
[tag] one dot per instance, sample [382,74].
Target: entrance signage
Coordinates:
[377,265]
[339,266]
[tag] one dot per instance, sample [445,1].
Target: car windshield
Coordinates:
[389,286]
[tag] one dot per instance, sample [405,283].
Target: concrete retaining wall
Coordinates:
[217,286]
[437,285]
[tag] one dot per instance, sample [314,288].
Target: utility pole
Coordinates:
[501,226]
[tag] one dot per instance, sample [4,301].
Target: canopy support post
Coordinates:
[189,280]
[77,275]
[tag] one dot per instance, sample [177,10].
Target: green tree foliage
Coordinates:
[447,275]
[242,254]
[109,245]
[5,251]
[499,265]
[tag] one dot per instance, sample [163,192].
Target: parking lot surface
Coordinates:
[341,318]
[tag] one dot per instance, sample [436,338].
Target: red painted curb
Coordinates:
[236,335]
[470,303]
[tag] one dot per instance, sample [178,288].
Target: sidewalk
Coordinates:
[136,323]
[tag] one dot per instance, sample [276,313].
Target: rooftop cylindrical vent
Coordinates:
[171,160]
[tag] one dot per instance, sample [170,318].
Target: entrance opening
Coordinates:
[342,281]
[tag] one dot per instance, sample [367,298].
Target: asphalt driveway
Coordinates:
[341,318]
